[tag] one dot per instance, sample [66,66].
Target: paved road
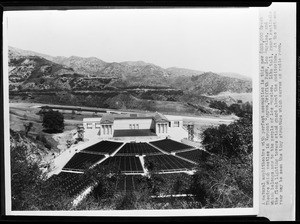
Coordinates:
[205,119]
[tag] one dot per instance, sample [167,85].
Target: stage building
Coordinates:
[116,126]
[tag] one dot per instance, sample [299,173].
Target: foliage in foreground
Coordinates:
[225,179]
[231,141]
[222,183]
[29,189]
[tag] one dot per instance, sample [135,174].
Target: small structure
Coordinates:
[125,125]
[161,124]
[190,128]
[80,132]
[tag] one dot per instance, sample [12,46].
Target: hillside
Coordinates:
[234,75]
[211,84]
[77,77]
[35,150]
[87,66]
[36,73]
[189,72]
[184,72]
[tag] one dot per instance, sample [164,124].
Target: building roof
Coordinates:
[91,119]
[129,118]
[160,118]
[107,119]
[173,118]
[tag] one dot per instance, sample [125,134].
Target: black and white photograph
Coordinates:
[131,109]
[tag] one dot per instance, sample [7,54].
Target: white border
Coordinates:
[132,213]
[6,117]
[143,213]
[286,14]
[255,120]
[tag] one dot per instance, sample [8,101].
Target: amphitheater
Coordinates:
[127,143]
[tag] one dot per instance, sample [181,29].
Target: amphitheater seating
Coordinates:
[168,163]
[169,145]
[195,155]
[72,183]
[126,164]
[81,161]
[131,149]
[103,147]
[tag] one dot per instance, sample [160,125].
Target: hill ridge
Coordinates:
[76,76]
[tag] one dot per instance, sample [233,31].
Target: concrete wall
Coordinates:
[91,121]
[91,133]
[138,138]
[162,129]
[106,130]
[124,124]
[173,123]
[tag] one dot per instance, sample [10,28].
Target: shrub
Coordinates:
[225,178]
[41,138]
[44,140]
[218,105]
[47,145]
[28,127]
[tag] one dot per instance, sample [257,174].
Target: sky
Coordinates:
[217,40]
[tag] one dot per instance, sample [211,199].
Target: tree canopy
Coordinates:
[53,121]
[239,109]
[225,178]
[233,140]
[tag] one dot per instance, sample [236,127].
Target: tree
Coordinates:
[80,133]
[225,178]
[73,114]
[25,117]
[28,127]
[241,110]
[29,188]
[53,121]
[221,182]
[105,177]
[220,105]
[234,140]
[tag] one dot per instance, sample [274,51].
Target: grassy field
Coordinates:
[23,113]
